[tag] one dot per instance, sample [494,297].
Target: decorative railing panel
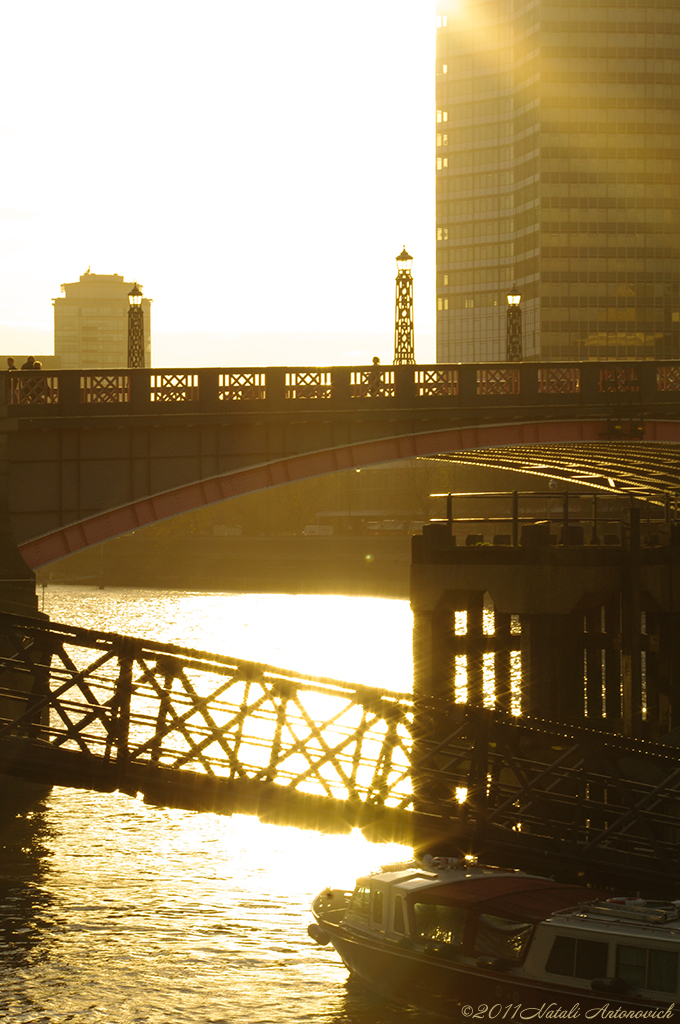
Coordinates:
[238,386]
[559,380]
[475,386]
[431,383]
[40,389]
[619,379]
[668,378]
[173,387]
[372,383]
[308,384]
[99,389]
[501,380]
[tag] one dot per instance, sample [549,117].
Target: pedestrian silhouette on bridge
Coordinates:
[29,364]
[375,377]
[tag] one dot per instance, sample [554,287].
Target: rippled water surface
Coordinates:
[114,912]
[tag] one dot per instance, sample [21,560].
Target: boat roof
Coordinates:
[522,897]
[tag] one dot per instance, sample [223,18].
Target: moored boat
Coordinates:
[469,941]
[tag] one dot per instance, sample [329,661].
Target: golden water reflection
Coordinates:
[132,914]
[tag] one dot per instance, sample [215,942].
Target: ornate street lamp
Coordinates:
[135,328]
[513,337]
[404,349]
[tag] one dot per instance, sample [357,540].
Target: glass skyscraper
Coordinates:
[558,170]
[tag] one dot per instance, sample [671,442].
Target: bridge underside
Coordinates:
[622,466]
[571,450]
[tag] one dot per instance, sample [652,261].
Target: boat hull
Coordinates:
[464,991]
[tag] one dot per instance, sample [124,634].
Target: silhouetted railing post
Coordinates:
[120,723]
[40,691]
[468,384]
[70,384]
[528,375]
[276,387]
[140,390]
[168,669]
[208,390]
[404,383]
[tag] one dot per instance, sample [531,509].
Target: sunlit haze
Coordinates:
[256,167]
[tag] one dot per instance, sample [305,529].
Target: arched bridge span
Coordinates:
[94,454]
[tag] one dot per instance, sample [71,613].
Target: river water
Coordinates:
[114,912]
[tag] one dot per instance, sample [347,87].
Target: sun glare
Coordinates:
[301,861]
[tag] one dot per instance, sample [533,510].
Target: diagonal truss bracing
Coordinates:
[186,728]
[130,702]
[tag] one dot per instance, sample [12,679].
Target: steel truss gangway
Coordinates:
[185,728]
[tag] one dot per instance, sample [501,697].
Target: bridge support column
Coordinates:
[17,581]
[433,692]
[455,645]
[17,596]
[553,666]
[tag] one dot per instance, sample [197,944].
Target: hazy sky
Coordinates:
[256,164]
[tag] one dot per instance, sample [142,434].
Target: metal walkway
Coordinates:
[184,728]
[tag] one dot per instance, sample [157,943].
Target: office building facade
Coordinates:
[91,323]
[558,170]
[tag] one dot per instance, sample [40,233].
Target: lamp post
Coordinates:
[403,314]
[135,328]
[513,336]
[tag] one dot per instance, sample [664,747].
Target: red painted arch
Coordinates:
[146,511]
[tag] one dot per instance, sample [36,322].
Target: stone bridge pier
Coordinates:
[573,624]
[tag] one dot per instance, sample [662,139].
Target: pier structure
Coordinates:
[561,606]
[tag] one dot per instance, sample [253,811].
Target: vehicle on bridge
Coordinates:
[464,940]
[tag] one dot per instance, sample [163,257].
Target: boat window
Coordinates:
[655,969]
[436,923]
[360,901]
[377,906]
[577,958]
[399,915]
[499,936]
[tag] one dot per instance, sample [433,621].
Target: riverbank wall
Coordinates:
[355,566]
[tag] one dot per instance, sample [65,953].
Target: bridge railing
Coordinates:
[239,389]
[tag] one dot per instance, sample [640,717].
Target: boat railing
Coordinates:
[632,911]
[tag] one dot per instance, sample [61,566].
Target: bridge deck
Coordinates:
[185,728]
